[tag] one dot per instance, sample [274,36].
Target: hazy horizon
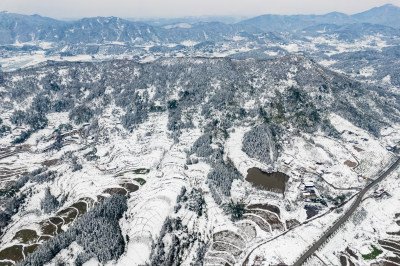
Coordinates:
[75,9]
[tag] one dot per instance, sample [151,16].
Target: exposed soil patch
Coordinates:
[26,236]
[80,206]
[30,249]
[394,233]
[351,253]
[56,220]
[12,253]
[265,206]
[275,181]
[68,215]
[270,218]
[358,149]
[391,243]
[223,247]
[260,222]
[48,228]
[350,164]
[343,260]
[291,223]
[116,190]
[49,163]
[130,187]
[229,237]
[393,259]
[394,250]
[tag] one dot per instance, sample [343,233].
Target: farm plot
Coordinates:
[266,216]
[227,246]
[28,240]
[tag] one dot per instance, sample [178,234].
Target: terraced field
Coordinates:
[227,246]
[392,244]
[266,216]
[27,241]
[8,170]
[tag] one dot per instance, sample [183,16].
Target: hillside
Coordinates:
[156,155]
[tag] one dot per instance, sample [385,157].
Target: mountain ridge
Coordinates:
[17,28]
[387,15]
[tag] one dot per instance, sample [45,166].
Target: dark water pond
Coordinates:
[275,181]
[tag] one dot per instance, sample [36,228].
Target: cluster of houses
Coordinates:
[308,190]
[380,193]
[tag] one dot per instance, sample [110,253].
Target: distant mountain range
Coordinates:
[387,15]
[190,20]
[16,28]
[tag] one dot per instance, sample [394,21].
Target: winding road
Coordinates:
[344,218]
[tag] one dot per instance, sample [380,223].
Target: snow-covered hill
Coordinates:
[128,163]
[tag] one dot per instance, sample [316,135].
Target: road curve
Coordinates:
[353,207]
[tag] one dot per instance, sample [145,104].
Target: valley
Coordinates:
[205,143]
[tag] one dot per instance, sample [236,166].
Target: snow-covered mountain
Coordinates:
[99,30]
[128,163]
[384,15]
[182,142]
[387,15]
[17,28]
[358,47]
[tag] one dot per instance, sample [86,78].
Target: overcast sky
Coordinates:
[180,8]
